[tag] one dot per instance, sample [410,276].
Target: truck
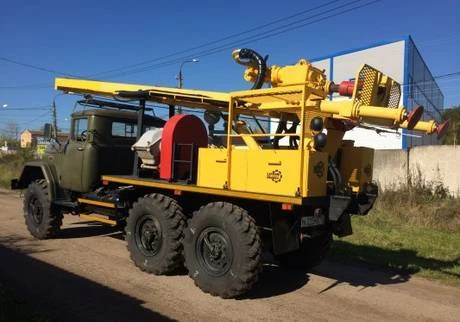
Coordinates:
[214,198]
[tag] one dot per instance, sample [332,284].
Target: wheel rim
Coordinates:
[149,237]
[35,210]
[214,251]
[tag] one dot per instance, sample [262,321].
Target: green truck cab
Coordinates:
[99,143]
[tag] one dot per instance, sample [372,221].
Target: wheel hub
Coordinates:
[149,236]
[35,210]
[214,251]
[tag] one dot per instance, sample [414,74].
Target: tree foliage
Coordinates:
[10,130]
[453,133]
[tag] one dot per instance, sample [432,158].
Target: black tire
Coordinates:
[43,220]
[311,253]
[154,233]
[223,250]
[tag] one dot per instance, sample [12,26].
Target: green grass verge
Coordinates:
[12,309]
[388,241]
[11,165]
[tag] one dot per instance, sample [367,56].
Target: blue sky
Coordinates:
[88,37]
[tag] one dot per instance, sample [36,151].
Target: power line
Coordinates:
[163,57]
[220,48]
[43,69]
[440,40]
[26,87]
[209,43]
[41,116]
[257,37]
[260,37]
[442,77]
[447,75]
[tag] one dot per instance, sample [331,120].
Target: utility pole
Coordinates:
[180,78]
[54,116]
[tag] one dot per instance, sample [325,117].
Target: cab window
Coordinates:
[80,126]
[124,130]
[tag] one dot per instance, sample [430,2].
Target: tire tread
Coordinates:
[175,224]
[52,217]
[250,237]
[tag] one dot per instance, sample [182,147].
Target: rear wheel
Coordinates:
[154,233]
[223,250]
[42,219]
[311,253]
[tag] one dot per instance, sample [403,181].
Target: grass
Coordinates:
[11,165]
[12,309]
[414,229]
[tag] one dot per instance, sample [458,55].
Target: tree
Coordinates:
[11,131]
[453,133]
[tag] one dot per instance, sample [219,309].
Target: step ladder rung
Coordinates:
[99,218]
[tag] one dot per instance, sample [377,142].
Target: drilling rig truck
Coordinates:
[192,195]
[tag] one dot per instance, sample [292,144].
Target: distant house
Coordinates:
[30,138]
[4,148]
[7,148]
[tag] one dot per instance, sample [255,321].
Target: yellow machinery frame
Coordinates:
[299,93]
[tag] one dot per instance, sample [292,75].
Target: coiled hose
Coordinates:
[253,59]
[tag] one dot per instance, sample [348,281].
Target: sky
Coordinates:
[41,40]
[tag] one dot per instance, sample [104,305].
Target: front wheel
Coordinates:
[42,219]
[223,250]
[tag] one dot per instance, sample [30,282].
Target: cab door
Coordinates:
[71,175]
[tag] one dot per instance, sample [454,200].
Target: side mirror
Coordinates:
[47,131]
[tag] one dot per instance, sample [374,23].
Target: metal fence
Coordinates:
[421,89]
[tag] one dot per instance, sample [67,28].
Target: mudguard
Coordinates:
[35,170]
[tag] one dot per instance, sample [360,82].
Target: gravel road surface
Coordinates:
[86,275]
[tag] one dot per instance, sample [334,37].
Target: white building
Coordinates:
[401,60]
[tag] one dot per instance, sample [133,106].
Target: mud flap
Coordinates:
[337,206]
[339,216]
[342,227]
[285,230]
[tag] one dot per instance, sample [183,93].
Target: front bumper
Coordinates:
[14,184]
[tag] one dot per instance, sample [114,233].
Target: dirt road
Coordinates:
[86,275]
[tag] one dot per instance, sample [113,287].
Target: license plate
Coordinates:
[310,221]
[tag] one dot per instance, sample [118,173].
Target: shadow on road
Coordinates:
[358,276]
[275,281]
[347,264]
[64,296]
[368,266]
[405,261]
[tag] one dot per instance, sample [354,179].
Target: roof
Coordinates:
[117,114]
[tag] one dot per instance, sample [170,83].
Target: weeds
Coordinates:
[419,203]
[11,165]
[414,228]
